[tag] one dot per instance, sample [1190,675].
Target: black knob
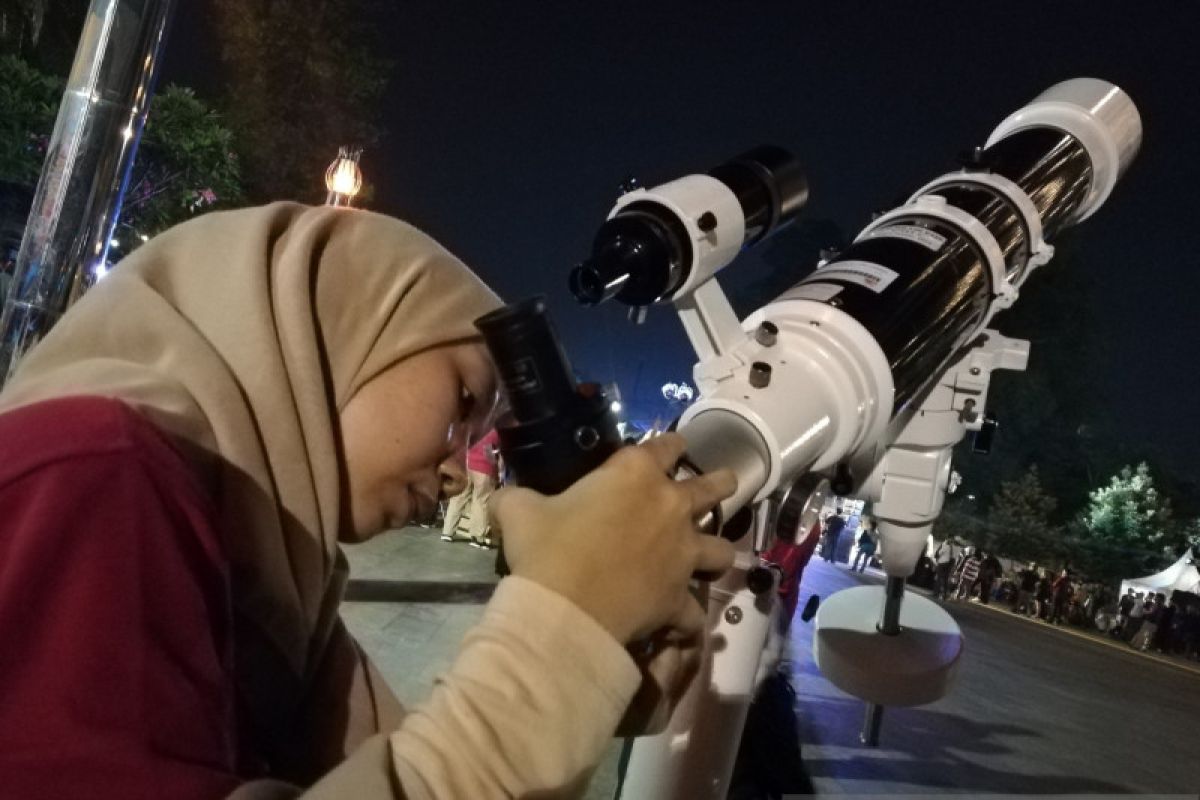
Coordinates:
[842,483]
[760,374]
[759,579]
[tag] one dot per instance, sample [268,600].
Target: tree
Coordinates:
[1126,529]
[185,165]
[303,78]
[1019,520]
[185,162]
[960,520]
[28,105]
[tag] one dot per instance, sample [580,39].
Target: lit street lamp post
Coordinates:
[344,178]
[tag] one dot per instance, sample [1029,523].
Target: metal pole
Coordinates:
[889,625]
[78,198]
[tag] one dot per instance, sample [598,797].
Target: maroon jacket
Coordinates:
[115,618]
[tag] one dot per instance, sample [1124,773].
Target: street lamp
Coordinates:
[343,179]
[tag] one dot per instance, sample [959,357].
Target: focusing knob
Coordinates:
[759,580]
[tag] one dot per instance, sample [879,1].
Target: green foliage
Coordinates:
[302,79]
[1019,520]
[28,105]
[185,164]
[960,519]
[1127,528]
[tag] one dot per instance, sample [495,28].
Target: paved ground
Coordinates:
[412,598]
[1036,709]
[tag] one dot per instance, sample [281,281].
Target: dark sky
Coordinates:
[511,124]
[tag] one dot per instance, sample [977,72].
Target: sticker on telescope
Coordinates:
[821,292]
[912,233]
[864,273]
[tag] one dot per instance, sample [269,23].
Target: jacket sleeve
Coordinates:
[527,709]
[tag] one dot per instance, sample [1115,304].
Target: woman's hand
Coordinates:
[622,542]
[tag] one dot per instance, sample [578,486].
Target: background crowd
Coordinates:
[1146,621]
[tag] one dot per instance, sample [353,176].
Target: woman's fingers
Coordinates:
[709,489]
[691,618]
[713,554]
[666,450]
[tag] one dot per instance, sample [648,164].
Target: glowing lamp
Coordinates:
[343,179]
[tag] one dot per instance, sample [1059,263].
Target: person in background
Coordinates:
[1155,606]
[1060,597]
[989,570]
[968,574]
[472,502]
[944,558]
[1124,606]
[1190,632]
[1164,640]
[790,554]
[834,525]
[868,543]
[1137,616]
[1027,581]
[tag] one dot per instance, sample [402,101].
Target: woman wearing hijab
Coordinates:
[179,459]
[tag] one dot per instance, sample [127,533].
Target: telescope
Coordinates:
[857,381]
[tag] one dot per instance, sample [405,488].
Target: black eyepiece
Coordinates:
[534,369]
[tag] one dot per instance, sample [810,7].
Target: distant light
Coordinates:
[616,406]
[343,179]
[143,237]
[678,392]
[102,269]
[970,497]
[113,243]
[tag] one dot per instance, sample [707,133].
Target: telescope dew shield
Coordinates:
[925,278]
[555,431]
[662,242]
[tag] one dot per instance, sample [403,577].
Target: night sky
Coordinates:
[511,125]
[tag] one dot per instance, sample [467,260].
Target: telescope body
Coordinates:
[867,334]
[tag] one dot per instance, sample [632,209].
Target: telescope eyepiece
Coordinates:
[637,256]
[660,243]
[533,368]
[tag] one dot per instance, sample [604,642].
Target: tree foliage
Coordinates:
[303,77]
[28,105]
[1127,528]
[185,164]
[1019,520]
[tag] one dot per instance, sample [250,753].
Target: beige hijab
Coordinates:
[241,335]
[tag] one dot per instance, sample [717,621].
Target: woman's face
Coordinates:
[400,427]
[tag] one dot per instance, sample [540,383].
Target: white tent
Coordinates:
[1182,575]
